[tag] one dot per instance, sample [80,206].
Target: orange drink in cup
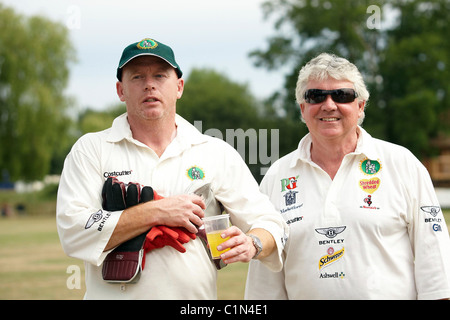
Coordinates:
[214,227]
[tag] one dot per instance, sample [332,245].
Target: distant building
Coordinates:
[439,166]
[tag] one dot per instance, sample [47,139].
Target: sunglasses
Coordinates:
[344,95]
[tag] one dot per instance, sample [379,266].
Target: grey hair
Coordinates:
[326,66]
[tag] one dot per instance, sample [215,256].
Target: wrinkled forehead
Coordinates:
[329,83]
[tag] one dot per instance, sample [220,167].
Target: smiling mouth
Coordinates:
[329,119]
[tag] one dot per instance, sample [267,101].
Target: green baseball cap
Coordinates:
[148,47]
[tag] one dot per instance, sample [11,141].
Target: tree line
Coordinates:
[404,58]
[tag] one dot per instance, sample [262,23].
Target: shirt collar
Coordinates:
[364,146]
[187,134]
[120,129]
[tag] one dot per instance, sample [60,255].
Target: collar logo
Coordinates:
[147,44]
[195,173]
[370,167]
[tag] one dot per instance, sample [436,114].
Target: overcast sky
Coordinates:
[203,33]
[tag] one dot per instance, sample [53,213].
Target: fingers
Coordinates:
[198,201]
[133,194]
[196,206]
[192,224]
[180,211]
[113,195]
[241,246]
[118,200]
[147,194]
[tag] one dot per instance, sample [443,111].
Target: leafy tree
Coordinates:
[406,66]
[416,70]
[218,104]
[307,28]
[97,120]
[217,101]
[34,57]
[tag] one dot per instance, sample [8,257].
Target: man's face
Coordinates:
[330,119]
[150,88]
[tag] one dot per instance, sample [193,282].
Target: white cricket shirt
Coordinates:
[168,274]
[376,231]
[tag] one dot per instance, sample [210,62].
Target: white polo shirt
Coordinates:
[168,274]
[376,231]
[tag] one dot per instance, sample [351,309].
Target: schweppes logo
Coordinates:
[330,257]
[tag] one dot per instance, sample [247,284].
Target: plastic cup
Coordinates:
[214,227]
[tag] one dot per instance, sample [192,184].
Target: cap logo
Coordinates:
[147,44]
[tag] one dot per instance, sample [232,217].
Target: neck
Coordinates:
[155,134]
[329,153]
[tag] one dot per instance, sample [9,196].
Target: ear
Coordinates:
[180,88]
[302,108]
[361,105]
[119,89]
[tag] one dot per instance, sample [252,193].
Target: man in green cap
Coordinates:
[151,146]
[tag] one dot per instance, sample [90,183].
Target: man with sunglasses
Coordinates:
[364,219]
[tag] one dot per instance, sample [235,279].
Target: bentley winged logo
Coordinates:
[330,232]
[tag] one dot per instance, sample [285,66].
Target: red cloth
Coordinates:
[161,236]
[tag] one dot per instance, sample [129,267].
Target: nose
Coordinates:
[329,104]
[149,85]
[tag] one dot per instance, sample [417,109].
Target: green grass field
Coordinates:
[33,265]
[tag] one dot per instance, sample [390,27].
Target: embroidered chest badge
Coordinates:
[370,167]
[195,173]
[289,183]
[290,197]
